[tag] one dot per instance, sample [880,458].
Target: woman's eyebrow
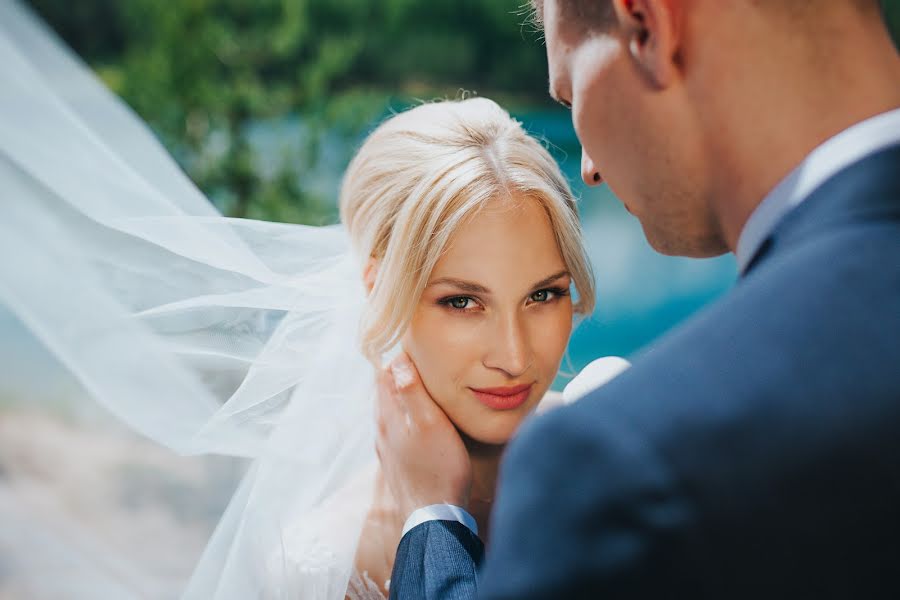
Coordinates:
[548,280]
[476,288]
[462,284]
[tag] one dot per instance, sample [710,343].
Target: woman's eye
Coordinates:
[548,295]
[460,302]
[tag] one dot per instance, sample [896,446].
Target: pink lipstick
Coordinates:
[503,398]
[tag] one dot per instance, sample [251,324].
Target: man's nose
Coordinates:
[589,172]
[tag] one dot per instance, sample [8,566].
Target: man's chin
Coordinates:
[671,243]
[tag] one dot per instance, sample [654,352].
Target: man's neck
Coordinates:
[804,108]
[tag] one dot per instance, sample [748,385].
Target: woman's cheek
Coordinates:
[443,347]
[553,328]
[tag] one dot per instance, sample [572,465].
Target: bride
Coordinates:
[471,244]
[459,243]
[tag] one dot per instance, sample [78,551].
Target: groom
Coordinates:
[754,452]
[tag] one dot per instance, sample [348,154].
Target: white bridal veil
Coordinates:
[206,334]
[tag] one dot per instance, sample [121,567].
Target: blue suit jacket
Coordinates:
[752,453]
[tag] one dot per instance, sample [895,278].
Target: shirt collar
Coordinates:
[840,151]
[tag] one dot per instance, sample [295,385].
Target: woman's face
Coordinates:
[493,322]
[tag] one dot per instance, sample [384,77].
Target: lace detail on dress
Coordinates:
[361,587]
[312,571]
[315,556]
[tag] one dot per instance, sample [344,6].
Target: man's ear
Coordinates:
[370,273]
[651,28]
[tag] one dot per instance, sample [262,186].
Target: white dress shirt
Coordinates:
[842,150]
[440,512]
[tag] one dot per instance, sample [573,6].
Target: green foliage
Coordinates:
[203,72]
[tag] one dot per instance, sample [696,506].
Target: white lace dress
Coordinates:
[361,587]
[318,549]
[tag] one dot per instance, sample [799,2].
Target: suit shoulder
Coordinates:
[585,503]
[558,457]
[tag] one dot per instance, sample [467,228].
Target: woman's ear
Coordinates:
[370,273]
[651,30]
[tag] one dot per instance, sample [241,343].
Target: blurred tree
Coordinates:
[202,72]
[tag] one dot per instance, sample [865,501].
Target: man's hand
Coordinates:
[422,455]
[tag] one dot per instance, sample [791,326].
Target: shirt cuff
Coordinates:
[440,512]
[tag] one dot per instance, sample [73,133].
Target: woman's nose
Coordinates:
[589,172]
[510,351]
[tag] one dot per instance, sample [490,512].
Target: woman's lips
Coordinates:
[503,398]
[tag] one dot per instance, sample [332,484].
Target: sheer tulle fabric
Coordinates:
[207,334]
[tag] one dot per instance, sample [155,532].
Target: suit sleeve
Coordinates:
[437,560]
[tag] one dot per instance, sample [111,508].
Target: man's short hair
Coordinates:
[600,14]
[589,14]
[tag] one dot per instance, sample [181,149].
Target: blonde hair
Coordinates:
[419,176]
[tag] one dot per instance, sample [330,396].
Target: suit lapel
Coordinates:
[868,190]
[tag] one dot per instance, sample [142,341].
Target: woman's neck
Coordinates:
[485,461]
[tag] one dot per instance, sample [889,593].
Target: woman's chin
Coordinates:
[483,425]
[490,436]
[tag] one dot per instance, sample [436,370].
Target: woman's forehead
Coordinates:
[508,240]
